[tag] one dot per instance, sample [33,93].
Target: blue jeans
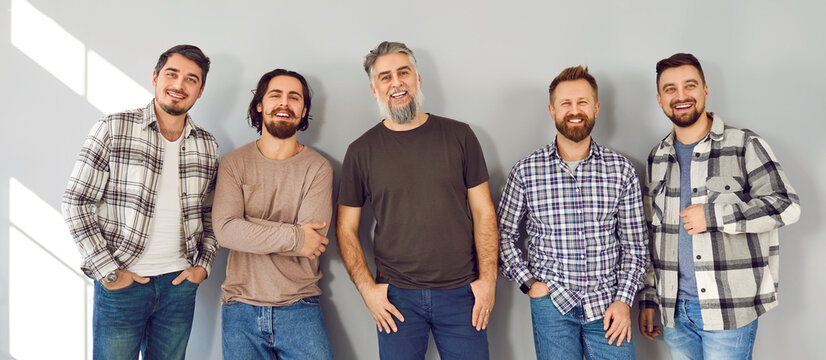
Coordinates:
[293,331]
[688,340]
[447,313]
[569,336]
[153,318]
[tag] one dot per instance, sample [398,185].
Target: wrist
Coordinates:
[526,286]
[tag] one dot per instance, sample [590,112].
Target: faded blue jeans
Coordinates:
[294,331]
[447,313]
[153,318]
[687,339]
[569,336]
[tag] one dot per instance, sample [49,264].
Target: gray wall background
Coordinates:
[484,63]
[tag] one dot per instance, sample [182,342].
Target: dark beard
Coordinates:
[281,129]
[172,111]
[577,134]
[686,122]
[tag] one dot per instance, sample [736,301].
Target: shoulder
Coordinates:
[364,141]
[318,161]
[450,124]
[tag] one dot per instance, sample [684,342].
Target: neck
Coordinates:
[274,148]
[572,151]
[419,120]
[695,132]
[171,125]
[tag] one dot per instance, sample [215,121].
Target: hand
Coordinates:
[314,243]
[375,297]
[194,275]
[125,278]
[647,327]
[618,315]
[484,292]
[694,218]
[538,289]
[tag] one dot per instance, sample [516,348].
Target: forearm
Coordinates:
[258,236]
[350,246]
[486,240]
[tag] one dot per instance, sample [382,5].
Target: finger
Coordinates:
[388,320]
[649,324]
[178,279]
[476,313]
[606,321]
[324,240]
[628,336]
[486,319]
[322,248]
[392,309]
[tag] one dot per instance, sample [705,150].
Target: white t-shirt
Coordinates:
[164,249]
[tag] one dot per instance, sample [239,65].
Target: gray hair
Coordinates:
[386,47]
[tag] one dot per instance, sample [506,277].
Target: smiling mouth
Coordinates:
[398,95]
[683,106]
[176,95]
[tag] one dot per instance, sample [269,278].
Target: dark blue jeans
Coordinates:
[447,313]
[294,331]
[153,318]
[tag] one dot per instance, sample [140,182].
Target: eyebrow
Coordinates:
[401,68]
[172,69]
[692,81]
[281,92]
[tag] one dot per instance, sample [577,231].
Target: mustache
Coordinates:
[677,101]
[575,116]
[397,89]
[282,109]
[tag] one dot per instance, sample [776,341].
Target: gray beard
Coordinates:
[402,115]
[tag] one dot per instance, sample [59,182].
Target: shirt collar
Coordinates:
[595,151]
[150,119]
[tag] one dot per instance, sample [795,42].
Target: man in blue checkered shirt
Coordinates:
[586,231]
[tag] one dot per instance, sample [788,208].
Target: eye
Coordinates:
[385,78]
[294,98]
[691,86]
[192,80]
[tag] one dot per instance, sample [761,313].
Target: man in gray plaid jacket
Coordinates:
[715,198]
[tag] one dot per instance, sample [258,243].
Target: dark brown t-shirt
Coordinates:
[416,182]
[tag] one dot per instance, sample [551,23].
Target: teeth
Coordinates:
[683,106]
[399,94]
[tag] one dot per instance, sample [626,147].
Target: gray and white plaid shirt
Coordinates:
[747,197]
[110,197]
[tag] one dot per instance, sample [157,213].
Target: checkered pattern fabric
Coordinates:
[747,197]
[586,229]
[110,197]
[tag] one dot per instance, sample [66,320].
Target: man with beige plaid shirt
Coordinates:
[715,197]
[138,206]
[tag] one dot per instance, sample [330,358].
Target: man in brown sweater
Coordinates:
[273,203]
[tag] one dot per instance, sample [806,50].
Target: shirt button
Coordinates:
[699,257]
[696,154]
[183,193]
[695,190]
[703,290]
[183,148]
[728,187]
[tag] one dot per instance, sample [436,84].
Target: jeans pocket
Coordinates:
[123,289]
[311,301]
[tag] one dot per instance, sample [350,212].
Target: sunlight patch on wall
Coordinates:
[44,41]
[109,89]
[49,298]
[48,44]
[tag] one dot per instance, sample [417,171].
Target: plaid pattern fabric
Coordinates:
[747,197]
[110,197]
[586,230]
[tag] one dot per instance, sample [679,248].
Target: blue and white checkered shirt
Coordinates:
[587,236]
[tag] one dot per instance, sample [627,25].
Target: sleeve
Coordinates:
[87,184]
[208,246]
[475,170]
[772,200]
[632,232]
[648,295]
[237,232]
[511,209]
[352,188]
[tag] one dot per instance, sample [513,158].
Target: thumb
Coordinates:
[138,278]
[318,226]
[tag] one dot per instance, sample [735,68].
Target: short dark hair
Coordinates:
[256,119]
[386,47]
[570,74]
[190,52]
[677,60]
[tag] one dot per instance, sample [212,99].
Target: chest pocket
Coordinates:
[726,189]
